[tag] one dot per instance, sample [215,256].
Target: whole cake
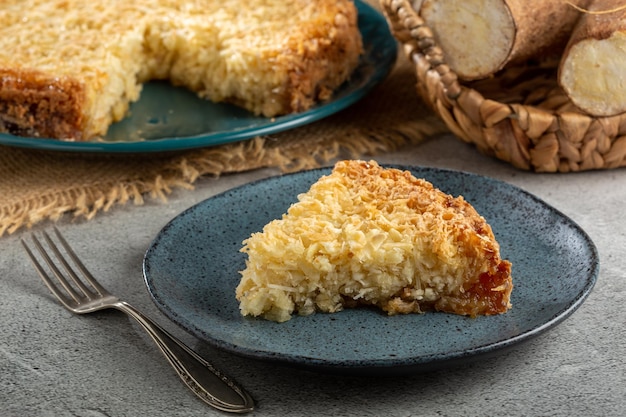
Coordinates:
[70,68]
[366,235]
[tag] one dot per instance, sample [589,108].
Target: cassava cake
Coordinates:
[366,235]
[70,68]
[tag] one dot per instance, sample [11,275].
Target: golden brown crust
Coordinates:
[473,238]
[366,235]
[33,104]
[323,54]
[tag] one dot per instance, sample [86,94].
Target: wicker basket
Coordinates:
[520,115]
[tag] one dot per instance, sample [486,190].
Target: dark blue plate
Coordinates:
[192,268]
[167,118]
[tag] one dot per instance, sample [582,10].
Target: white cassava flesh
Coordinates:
[593,67]
[480,37]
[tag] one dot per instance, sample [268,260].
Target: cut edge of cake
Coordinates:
[39,101]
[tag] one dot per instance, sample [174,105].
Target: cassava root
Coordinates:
[592,71]
[480,37]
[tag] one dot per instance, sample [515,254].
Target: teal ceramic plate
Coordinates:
[167,118]
[192,268]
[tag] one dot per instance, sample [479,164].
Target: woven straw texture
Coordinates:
[520,115]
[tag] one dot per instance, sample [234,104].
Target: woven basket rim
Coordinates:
[549,135]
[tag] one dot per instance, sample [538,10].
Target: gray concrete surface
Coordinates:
[55,364]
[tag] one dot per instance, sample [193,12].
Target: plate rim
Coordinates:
[416,364]
[281,124]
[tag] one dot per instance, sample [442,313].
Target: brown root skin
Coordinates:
[592,69]
[481,37]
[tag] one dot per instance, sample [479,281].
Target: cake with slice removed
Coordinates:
[71,68]
[374,236]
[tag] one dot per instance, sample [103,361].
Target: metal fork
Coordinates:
[85,295]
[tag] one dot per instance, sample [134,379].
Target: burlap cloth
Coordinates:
[38,185]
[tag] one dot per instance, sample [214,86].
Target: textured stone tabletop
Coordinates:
[53,363]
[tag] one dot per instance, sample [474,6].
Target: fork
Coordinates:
[85,295]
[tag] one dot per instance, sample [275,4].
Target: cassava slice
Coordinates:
[593,67]
[480,37]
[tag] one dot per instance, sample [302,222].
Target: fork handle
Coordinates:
[207,382]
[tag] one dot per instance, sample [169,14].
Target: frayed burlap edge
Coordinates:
[182,171]
[391,117]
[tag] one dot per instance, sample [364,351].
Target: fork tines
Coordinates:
[73,287]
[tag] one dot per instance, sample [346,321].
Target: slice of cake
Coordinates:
[70,68]
[366,235]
